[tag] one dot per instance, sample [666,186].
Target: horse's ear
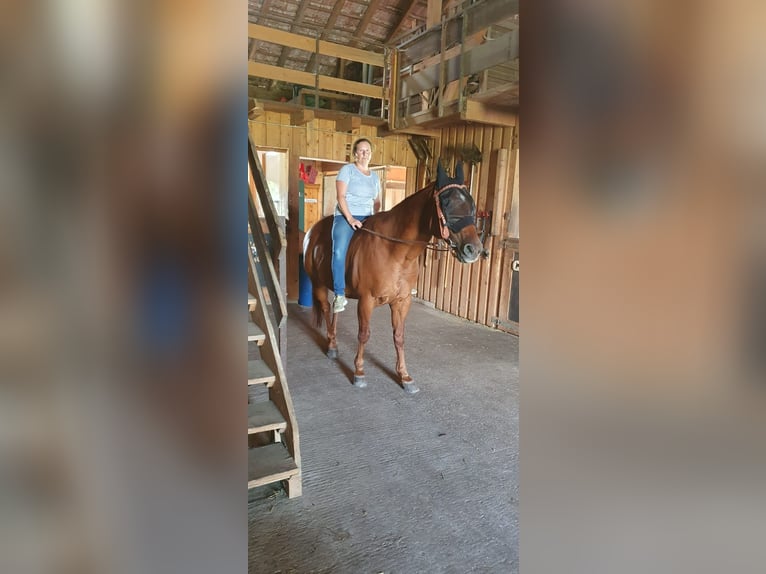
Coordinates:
[441,175]
[459,172]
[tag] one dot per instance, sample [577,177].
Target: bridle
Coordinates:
[454,225]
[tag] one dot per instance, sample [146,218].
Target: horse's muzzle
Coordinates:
[469,253]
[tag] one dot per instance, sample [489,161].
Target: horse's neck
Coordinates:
[414,216]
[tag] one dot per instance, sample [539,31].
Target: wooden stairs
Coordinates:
[273,445]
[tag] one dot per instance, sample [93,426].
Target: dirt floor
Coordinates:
[397,483]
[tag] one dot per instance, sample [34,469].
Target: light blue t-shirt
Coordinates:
[361,191]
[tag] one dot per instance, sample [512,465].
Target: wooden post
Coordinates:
[501,187]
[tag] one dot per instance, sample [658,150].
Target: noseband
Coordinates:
[453,225]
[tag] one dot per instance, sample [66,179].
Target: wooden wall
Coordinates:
[320,139]
[479,292]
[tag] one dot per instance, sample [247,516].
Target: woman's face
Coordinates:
[363,151]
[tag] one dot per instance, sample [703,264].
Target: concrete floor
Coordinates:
[396,483]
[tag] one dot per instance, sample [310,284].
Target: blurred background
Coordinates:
[122,129]
[643,358]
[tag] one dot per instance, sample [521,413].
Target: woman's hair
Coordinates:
[357,142]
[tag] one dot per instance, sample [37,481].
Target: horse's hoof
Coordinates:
[332,353]
[410,388]
[360,382]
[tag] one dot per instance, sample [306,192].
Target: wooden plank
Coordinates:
[348,124]
[513,209]
[272,129]
[281,37]
[494,281]
[484,278]
[267,464]
[257,130]
[487,114]
[263,417]
[301,117]
[266,261]
[258,373]
[449,267]
[308,44]
[260,70]
[441,269]
[293,240]
[349,53]
[472,134]
[501,186]
[254,333]
[350,87]
[433,13]
[483,140]
[504,295]
[258,179]
[461,136]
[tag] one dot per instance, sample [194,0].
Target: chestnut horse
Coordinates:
[382,260]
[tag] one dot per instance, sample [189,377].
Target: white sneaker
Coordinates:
[339,304]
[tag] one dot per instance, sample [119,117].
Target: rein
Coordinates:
[429,244]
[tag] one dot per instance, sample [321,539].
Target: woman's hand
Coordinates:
[355,223]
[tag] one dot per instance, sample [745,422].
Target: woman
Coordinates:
[358,191]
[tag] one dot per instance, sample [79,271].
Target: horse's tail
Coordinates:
[308,265]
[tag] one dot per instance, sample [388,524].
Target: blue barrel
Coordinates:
[304,285]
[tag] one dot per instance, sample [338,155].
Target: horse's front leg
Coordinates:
[363,312]
[399,310]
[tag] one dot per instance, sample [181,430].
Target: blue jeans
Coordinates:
[341,237]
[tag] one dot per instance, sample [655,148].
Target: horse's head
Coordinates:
[456,212]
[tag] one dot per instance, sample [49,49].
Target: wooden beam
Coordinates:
[266,34]
[350,87]
[309,45]
[482,113]
[301,117]
[433,13]
[308,79]
[501,187]
[349,53]
[348,124]
[283,74]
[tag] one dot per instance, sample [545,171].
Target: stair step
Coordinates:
[267,464]
[252,301]
[264,416]
[259,373]
[254,333]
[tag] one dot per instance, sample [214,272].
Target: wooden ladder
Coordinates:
[273,445]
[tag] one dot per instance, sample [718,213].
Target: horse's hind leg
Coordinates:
[364,312]
[399,310]
[321,295]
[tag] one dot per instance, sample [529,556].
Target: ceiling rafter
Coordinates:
[407,13]
[368,14]
[298,21]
